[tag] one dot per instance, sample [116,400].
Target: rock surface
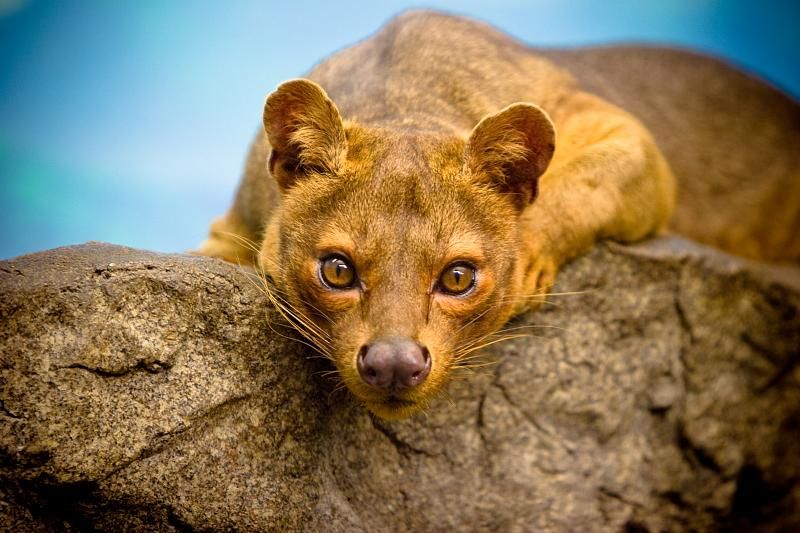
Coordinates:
[142,391]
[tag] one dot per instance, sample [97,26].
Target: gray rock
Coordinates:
[142,391]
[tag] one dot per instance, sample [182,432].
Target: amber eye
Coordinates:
[457,279]
[337,272]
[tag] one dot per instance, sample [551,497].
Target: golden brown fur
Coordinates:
[406,157]
[732,141]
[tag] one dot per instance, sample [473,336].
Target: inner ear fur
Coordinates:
[305,131]
[511,149]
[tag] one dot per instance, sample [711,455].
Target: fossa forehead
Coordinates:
[404,150]
[406,205]
[400,184]
[401,191]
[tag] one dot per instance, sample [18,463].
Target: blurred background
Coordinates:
[128,122]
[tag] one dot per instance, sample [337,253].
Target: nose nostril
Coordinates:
[363,352]
[423,368]
[371,373]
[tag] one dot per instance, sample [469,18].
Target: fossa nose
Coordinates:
[394,364]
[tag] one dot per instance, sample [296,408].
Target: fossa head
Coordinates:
[396,250]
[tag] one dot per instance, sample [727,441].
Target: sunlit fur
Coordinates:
[406,157]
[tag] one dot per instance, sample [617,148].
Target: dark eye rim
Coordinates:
[473,282]
[344,259]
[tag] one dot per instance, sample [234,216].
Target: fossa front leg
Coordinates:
[607,180]
[231,240]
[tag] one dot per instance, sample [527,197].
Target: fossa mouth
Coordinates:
[395,402]
[393,407]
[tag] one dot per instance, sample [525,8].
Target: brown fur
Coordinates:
[413,157]
[732,140]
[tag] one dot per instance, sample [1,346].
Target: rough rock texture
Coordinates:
[156,392]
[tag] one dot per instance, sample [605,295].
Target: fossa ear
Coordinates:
[305,132]
[511,149]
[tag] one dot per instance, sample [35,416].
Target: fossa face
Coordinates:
[394,252]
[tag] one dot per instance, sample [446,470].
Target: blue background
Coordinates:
[128,122]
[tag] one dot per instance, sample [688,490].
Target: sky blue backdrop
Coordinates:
[128,122]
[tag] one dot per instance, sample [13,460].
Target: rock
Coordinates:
[141,391]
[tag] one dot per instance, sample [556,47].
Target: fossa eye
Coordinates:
[337,272]
[457,279]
